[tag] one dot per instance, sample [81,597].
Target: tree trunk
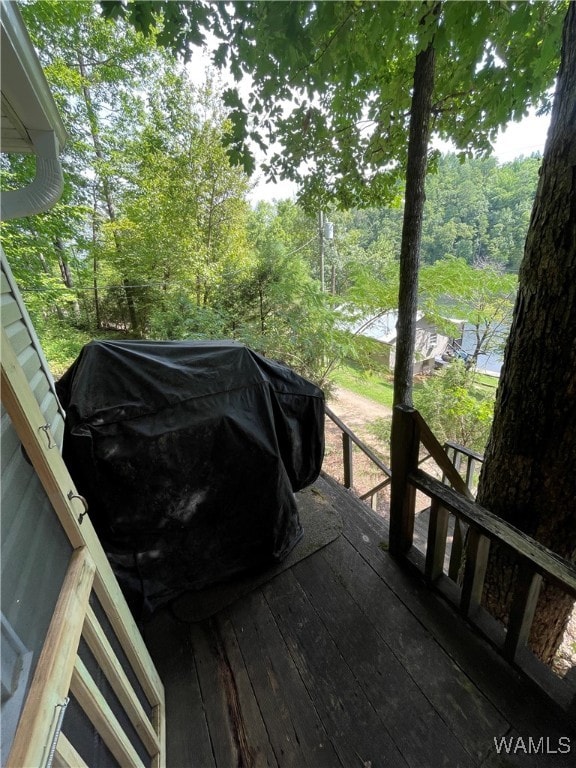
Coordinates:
[98,316]
[418,141]
[63,263]
[98,151]
[529,475]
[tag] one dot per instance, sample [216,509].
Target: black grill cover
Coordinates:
[188,454]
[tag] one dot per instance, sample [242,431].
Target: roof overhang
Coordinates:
[30,119]
[28,108]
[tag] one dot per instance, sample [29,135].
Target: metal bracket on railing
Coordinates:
[58,728]
[46,429]
[72,495]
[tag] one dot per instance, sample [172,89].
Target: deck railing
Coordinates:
[465,462]
[349,440]
[464,582]
[464,459]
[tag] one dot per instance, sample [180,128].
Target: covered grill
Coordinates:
[189,454]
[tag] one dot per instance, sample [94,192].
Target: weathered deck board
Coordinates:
[294,726]
[399,693]
[416,729]
[358,732]
[345,660]
[487,670]
[187,733]
[237,730]
[422,658]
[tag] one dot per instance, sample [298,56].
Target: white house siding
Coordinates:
[20,331]
[34,548]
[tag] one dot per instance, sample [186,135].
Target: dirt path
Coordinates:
[356,410]
[359,414]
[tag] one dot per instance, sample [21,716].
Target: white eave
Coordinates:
[27,103]
[30,119]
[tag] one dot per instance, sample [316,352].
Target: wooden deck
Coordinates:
[347,660]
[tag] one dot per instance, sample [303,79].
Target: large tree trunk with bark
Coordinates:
[529,474]
[418,140]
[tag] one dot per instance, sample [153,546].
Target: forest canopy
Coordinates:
[155,235]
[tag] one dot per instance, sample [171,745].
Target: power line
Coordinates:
[149,284]
[105,286]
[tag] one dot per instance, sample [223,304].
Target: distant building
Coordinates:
[431,346]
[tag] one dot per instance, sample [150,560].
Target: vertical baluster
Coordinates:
[347,460]
[457,460]
[456,550]
[524,600]
[450,452]
[436,546]
[470,467]
[477,550]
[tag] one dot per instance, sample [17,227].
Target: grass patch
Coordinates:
[376,385]
[62,342]
[486,382]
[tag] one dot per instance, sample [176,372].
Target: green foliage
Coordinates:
[478,210]
[278,306]
[373,293]
[179,317]
[339,113]
[97,72]
[455,408]
[481,296]
[183,175]
[61,342]
[348,125]
[154,235]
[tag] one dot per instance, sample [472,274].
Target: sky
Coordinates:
[523,138]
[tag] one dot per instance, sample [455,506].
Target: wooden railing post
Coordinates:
[477,551]
[522,610]
[349,440]
[347,460]
[405,446]
[456,551]
[436,546]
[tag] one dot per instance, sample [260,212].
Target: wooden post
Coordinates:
[436,546]
[54,670]
[456,551]
[100,714]
[470,471]
[524,600]
[405,446]
[347,460]
[477,551]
